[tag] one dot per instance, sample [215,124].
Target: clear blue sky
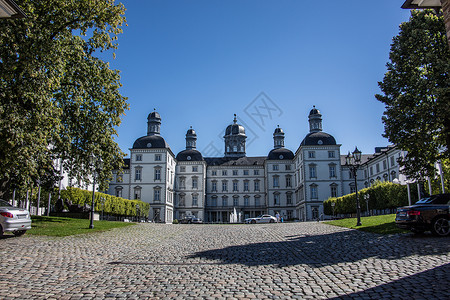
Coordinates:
[198,62]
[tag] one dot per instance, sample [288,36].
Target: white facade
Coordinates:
[235,187]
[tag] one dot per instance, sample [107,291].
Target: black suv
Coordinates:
[429,213]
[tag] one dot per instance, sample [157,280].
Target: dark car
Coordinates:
[429,213]
[191,220]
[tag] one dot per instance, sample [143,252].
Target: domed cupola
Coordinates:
[190,154]
[315,120]
[153,123]
[278,138]
[235,140]
[279,152]
[153,139]
[316,136]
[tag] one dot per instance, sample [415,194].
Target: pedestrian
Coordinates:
[278,217]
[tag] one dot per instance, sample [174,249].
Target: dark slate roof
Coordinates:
[189,155]
[235,129]
[154,115]
[280,154]
[314,111]
[150,141]
[318,138]
[231,161]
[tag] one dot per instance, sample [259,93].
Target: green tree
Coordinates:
[58,98]
[416,92]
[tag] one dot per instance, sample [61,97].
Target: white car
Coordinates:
[261,219]
[13,219]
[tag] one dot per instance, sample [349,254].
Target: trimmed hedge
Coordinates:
[112,206]
[383,195]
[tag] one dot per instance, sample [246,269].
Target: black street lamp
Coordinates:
[96,164]
[353,161]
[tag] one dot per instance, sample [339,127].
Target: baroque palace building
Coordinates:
[235,186]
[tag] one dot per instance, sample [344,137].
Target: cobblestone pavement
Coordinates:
[273,261]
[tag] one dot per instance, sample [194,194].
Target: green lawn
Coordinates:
[384,224]
[57,226]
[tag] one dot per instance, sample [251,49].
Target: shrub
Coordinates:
[112,205]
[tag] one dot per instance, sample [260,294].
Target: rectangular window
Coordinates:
[194,183]
[214,201]
[330,154]
[255,172]
[246,172]
[350,174]
[384,165]
[137,193]
[157,174]
[287,167]
[224,186]
[312,172]
[371,170]
[235,186]
[182,201]
[257,202]
[158,157]
[214,173]
[314,192]
[246,186]
[182,169]
[276,199]
[290,214]
[289,199]
[194,169]
[276,182]
[194,200]
[138,157]
[288,181]
[235,172]
[311,154]
[138,174]
[333,191]
[235,201]
[275,167]
[256,185]
[157,195]
[224,201]
[214,186]
[378,168]
[392,161]
[182,183]
[352,189]
[332,171]
[224,172]
[246,201]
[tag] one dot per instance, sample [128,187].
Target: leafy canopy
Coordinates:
[416,92]
[58,99]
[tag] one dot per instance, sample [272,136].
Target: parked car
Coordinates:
[429,213]
[13,219]
[261,219]
[191,220]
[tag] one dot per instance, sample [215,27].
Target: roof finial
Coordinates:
[191,126]
[235,120]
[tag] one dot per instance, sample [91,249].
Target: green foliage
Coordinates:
[416,93]
[382,195]
[58,99]
[57,226]
[175,221]
[112,205]
[383,224]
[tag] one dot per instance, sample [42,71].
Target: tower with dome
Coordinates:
[233,186]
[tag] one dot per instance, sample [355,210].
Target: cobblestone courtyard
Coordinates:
[274,261]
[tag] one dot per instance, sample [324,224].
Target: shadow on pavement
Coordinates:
[430,284]
[327,249]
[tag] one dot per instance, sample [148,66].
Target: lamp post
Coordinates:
[333,204]
[366,197]
[352,161]
[96,164]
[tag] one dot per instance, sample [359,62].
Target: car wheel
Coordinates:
[19,232]
[253,222]
[441,226]
[271,221]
